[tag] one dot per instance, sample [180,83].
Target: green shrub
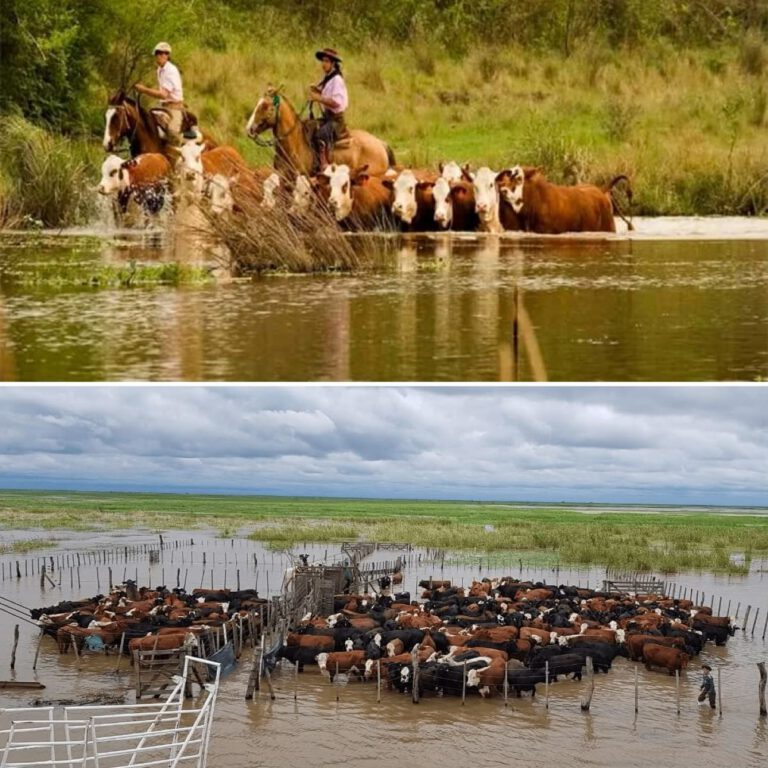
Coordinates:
[49,179]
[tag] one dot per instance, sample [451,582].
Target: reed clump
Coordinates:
[45,180]
[257,239]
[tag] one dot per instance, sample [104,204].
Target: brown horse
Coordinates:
[294,154]
[126,118]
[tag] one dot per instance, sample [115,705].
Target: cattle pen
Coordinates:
[282,694]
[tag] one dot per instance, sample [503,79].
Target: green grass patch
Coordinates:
[665,540]
[22,546]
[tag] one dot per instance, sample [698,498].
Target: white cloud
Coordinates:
[708,444]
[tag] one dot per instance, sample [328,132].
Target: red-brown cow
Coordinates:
[551,209]
[671,659]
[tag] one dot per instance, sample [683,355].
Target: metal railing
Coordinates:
[162,734]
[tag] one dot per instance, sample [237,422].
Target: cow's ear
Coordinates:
[502,175]
[441,167]
[388,183]
[466,174]
[361,179]
[425,184]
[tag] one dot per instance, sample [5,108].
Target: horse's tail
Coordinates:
[390,156]
[608,189]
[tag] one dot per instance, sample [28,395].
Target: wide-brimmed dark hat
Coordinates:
[328,53]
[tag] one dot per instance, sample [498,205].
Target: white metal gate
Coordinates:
[162,734]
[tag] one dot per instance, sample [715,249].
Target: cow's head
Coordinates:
[349,644]
[405,188]
[443,203]
[473,678]
[190,162]
[322,661]
[486,194]
[219,191]
[113,180]
[450,171]
[264,115]
[340,182]
[302,193]
[271,185]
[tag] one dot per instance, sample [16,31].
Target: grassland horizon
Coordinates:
[666,539]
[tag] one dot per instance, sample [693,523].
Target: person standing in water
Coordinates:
[707,689]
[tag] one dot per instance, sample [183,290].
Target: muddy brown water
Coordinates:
[326,725]
[653,308]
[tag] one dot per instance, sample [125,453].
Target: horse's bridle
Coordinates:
[277,138]
[131,135]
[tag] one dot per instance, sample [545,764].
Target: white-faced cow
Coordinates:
[144,179]
[358,200]
[551,209]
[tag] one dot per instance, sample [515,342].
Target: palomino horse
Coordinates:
[126,118]
[294,154]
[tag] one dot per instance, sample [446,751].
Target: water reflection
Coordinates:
[442,308]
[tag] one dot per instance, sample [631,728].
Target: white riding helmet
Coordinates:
[162,48]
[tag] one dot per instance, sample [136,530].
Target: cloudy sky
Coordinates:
[646,444]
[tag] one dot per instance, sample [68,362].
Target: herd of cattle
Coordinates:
[474,639]
[449,197]
[145,619]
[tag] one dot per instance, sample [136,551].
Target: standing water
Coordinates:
[313,722]
[462,308]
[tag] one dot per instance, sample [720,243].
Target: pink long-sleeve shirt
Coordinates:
[336,90]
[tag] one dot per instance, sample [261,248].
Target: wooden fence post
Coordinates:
[415,683]
[761,689]
[586,699]
[15,644]
[636,690]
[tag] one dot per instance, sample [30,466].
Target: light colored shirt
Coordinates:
[336,90]
[169,79]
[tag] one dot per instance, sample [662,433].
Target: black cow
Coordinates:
[520,680]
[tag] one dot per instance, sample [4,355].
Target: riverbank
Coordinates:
[688,126]
[659,539]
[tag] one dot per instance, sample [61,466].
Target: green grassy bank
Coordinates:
[585,89]
[663,540]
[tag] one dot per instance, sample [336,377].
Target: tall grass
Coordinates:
[687,125]
[45,180]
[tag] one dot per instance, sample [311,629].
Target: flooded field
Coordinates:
[683,300]
[311,721]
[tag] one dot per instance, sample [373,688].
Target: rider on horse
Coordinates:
[331,94]
[169,91]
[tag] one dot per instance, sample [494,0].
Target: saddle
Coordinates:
[162,118]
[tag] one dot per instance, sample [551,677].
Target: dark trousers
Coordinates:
[331,128]
[712,698]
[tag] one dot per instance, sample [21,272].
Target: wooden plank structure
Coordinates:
[633,583]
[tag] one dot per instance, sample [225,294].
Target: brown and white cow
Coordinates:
[551,209]
[358,200]
[413,203]
[144,179]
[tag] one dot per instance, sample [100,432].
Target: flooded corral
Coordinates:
[312,721]
[682,300]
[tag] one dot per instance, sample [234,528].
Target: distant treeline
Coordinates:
[54,54]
